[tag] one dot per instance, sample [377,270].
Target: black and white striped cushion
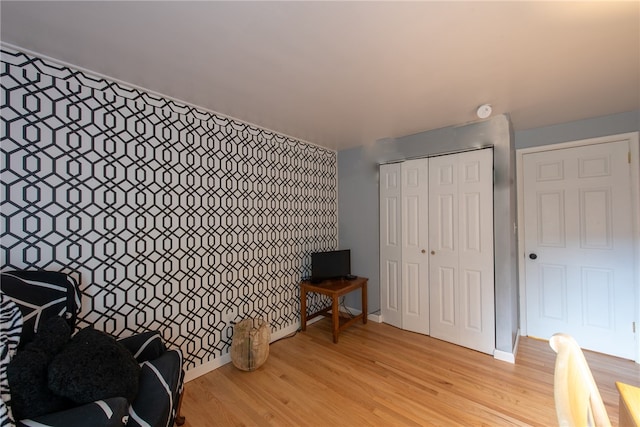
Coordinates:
[159,391]
[144,346]
[112,412]
[41,295]
[10,329]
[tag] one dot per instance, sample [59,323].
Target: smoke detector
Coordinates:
[484,111]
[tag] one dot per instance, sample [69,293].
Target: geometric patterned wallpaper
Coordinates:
[172,218]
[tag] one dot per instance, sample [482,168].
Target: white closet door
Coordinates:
[415,240]
[461,249]
[390,244]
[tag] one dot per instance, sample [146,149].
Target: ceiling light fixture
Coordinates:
[484,111]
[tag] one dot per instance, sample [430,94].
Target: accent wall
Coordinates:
[171,217]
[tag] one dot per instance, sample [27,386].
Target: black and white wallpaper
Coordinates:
[172,218]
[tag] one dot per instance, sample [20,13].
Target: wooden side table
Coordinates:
[335,289]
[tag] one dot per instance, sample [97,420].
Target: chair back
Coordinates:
[578,401]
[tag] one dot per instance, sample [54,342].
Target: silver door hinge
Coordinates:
[633,327]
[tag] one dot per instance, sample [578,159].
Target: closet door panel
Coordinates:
[415,236]
[461,241]
[471,299]
[476,250]
[443,247]
[391,244]
[446,292]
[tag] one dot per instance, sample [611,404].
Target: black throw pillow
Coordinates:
[94,366]
[27,372]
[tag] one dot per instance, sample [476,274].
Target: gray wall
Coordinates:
[358,195]
[579,129]
[358,223]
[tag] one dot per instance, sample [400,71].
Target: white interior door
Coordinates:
[461,249]
[390,244]
[579,251]
[415,240]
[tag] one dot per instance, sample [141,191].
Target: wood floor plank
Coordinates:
[378,375]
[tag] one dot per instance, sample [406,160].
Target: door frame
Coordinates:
[634,148]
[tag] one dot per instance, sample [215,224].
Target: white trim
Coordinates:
[633,138]
[520,254]
[207,367]
[505,356]
[214,364]
[374,317]
[309,322]
[634,144]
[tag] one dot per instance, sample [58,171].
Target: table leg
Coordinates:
[335,318]
[365,311]
[303,309]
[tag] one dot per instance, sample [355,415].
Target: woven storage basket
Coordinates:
[250,344]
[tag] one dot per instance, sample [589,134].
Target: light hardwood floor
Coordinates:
[378,375]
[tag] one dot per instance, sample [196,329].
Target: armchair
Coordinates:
[48,303]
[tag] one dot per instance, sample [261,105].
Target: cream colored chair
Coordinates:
[578,401]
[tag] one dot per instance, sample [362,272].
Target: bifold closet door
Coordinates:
[391,244]
[461,260]
[415,242]
[404,260]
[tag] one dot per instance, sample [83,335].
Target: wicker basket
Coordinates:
[250,344]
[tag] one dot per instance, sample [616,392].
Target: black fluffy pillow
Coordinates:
[27,372]
[93,366]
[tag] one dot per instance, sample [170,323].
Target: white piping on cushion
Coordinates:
[146,343]
[37,309]
[137,419]
[72,282]
[166,387]
[106,408]
[31,423]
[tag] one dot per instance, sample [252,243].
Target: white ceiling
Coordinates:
[343,74]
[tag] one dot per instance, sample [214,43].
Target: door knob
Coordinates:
[423,251]
[533,256]
[433,252]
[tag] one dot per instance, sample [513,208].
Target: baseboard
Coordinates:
[515,346]
[212,365]
[198,371]
[374,317]
[505,356]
